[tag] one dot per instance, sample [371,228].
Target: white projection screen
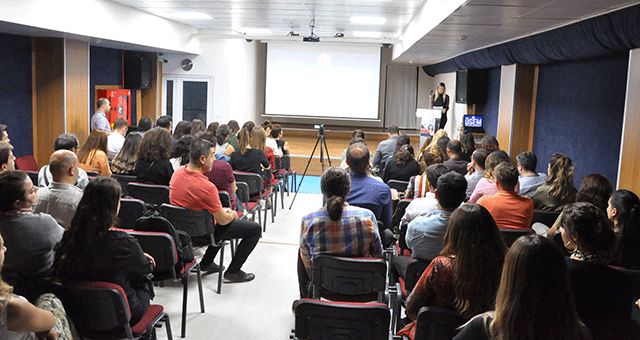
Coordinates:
[322,81]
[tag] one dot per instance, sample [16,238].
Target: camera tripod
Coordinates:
[322,143]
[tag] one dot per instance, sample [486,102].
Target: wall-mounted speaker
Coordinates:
[137,72]
[471,86]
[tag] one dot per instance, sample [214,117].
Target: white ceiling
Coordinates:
[474,25]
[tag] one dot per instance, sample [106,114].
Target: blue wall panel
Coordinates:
[106,69]
[579,112]
[490,107]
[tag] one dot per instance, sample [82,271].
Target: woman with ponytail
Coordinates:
[559,189]
[624,212]
[337,228]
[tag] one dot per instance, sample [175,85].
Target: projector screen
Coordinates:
[322,80]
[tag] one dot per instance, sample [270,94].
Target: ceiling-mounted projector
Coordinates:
[311,38]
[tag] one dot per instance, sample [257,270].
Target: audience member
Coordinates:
[221,175]
[487,184]
[31,237]
[419,185]
[115,139]
[61,197]
[65,141]
[271,142]
[402,166]
[466,274]
[145,124]
[624,211]
[7,159]
[165,122]
[455,163]
[91,251]
[181,153]
[233,136]
[196,126]
[337,228]
[468,144]
[283,145]
[434,141]
[427,204]
[344,165]
[386,148]
[366,191]
[153,166]
[223,148]
[213,128]
[529,180]
[190,189]
[534,299]
[475,170]
[603,295]
[247,158]
[490,143]
[355,134]
[509,210]
[425,234]
[93,155]
[4,134]
[126,159]
[442,142]
[99,119]
[558,190]
[248,125]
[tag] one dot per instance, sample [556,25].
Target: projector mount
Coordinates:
[312,37]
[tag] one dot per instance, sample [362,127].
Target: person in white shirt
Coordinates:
[65,141]
[115,140]
[270,141]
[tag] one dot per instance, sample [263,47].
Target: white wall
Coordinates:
[235,67]
[426,84]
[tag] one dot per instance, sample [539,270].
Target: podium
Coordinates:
[428,122]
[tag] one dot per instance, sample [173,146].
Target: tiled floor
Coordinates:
[260,309]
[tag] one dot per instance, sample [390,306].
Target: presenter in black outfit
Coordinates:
[441,99]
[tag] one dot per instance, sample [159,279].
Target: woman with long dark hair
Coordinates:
[223,148]
[624,211]
[125,161]
[93,155]
[91,251]
[559,189]
[466,275]
[181,153]
[534,300]
[337,228]
[153,165]
[403,166]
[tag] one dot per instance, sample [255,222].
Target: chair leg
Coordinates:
[199,276]
[185,293]
[282,194]
[167,325]
[264,225]
[220,272]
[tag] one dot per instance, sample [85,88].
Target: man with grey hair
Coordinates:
[99,119]
[61,197]
[65,141]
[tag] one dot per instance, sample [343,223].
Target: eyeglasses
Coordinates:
[33,189]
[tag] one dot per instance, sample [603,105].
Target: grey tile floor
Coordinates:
[260,309]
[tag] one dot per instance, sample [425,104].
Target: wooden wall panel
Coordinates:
[628,172]
[48,95]
[148,98]
[77,88]
[506,105]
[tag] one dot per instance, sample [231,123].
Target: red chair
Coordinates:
[27,163]
[100,310]
[250,207]
[258,192]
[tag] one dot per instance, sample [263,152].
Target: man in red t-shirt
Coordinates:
[190,189]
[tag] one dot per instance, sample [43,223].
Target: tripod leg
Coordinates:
[324,142]
[305,171]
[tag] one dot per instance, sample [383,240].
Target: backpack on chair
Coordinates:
[153,222]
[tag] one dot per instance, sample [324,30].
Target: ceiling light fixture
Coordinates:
[364,34]
[368,20]
[191,15]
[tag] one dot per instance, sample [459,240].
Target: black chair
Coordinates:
[511,235]
[400,186]
[323,320]
[225,200]
[400,210]
[286,164]
[437,324]
[100,310]
[281,174]
[415,268]
[93,174]
[258,192]
[34,177]
[557,239]
[545,217]
[197,224]
[162,247]
[124,180]
[130,210]
[242,190]
[153,195]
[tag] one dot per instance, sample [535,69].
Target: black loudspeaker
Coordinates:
[137,72]
[471,86]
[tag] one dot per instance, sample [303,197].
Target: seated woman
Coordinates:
[487,184]
[419,185]
[223,148]
[283,145]
[403,166]
[249,159]
[19,319]
[93,155]
[31,237]
[603,295]
[90,251]
[466,275]
[337,228]
[624,211]
[181,152]
[468,144]
[534,299]
[153,166]
[559,189]
[125,161]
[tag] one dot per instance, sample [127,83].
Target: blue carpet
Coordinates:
[310,185]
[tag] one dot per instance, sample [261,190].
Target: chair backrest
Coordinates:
[93,174]
[401,186]
[324,320]
[124,180]
[193,222]
[242,190]
[277,162]
[437,324]
[225,199]
[153,194]
[415,268]
[27,163]
[161,247]
[286,162]
[96,307]
[545,217]
[345,278]
[254,181]
[400,210]
[511,235]
[34,177]
[130,210]
[557,239]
